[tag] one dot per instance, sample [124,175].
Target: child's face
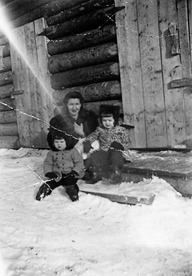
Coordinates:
[108,122]
[60,144]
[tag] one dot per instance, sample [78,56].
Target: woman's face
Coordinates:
[73,107]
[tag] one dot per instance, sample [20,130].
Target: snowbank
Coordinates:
[91,237]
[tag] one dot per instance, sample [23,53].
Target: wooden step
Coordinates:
[175,168]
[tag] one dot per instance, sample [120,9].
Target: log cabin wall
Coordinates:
[83,53]
[127,56]
[83,57]
[153,48]
[8,120]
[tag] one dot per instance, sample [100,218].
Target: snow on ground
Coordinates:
[91,237]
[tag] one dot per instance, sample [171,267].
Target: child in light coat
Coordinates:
[63,167]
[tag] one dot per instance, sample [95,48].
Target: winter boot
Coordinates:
[44,191]
[88,175]
[72,192]
[96,175]
[116,177]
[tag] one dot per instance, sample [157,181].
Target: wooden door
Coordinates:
[154,45]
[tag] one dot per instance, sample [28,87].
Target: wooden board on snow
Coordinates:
[115,193]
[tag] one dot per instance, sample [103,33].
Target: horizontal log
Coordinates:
[10,2]
[7,2]
[8,129]
[78,10]
[94,106]
[9,142]
[80,24]
[3,41]
[82,40]
[53,7]
[16,4]
[18,8]
[8,117]
[86,57]
[56,6]
[91,92]
[5,50]
[9,93]
[6,88]
[5,64]
[7,104]
[86,75]
[6,78]
[184,82]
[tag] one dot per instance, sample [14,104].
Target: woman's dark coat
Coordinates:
[65,123]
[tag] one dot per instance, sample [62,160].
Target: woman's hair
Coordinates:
[73,95]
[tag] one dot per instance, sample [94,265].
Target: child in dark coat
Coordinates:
[63,166]
[113,140]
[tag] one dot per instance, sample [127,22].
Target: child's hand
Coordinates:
[79,129]
[73,174]
[51,175]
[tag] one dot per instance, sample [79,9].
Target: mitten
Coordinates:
[51,175]
[117,146]
[73,174]
[87,146]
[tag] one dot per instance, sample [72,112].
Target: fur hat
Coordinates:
[110,110]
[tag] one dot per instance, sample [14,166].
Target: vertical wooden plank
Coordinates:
[183,24]
[123,53]
[20,82]
[184,35]
[45,92]
[32,69]
[130,69]
[152,73]
[32,77]
[172,69]
[190,24]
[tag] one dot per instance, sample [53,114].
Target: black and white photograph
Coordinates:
[96,137]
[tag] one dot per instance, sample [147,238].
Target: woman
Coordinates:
[74,120]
